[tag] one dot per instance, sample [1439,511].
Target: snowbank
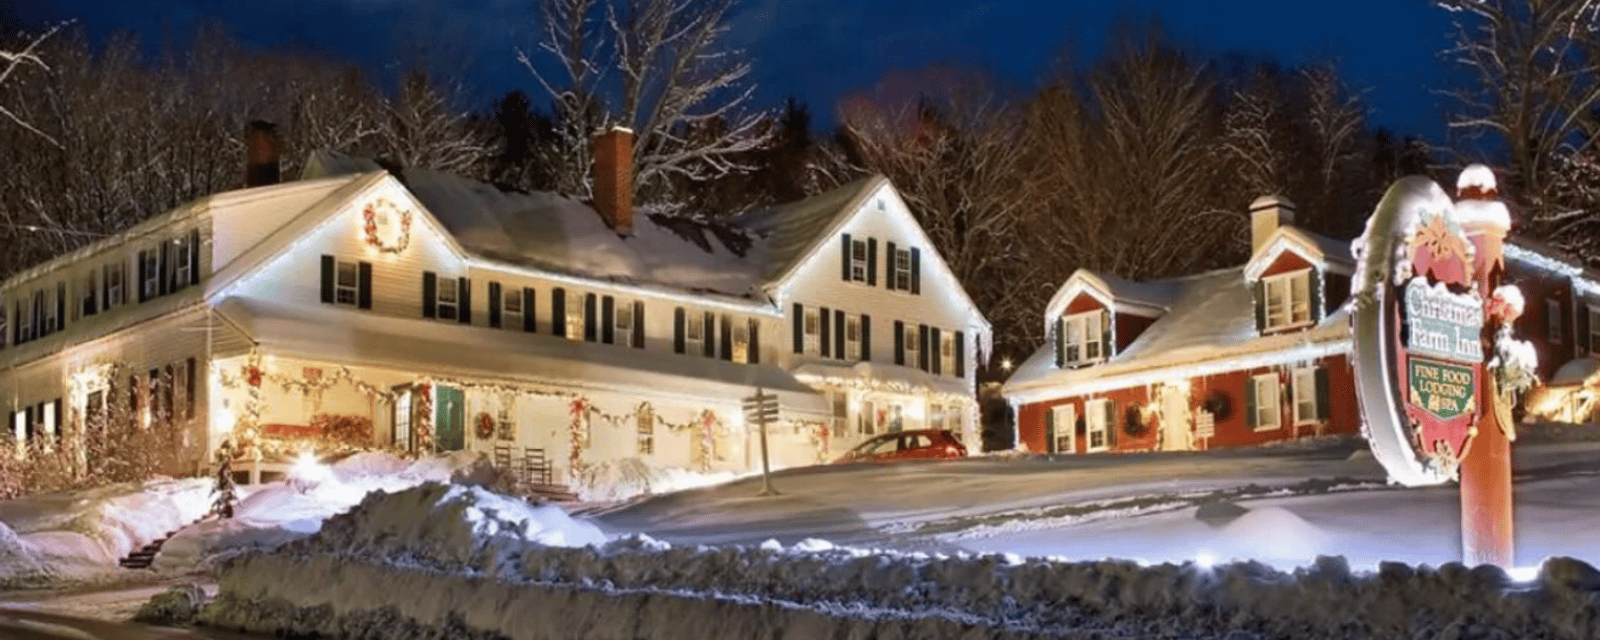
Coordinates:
[282,512]
[80,535]
[630,478]
[467,563]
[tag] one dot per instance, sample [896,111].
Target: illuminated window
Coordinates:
[575,322]
[947,353]
[902,270]
[858,260]
[113,276]
[741,341]
[812,330]
[1266,406]
[1082,340]
[852,337]
[646,430]
[911,345]
[1288,300]
[867,419]
[1097,419]
[511,307]
[346,284]
[447,300]
[624,322]
[1304,390]
[694,333]
[180,267]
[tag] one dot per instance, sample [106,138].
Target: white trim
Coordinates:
[1083,347]
[1153,375]
[933,262]
[1266,312]
[1084,281]
[1093,410]
[1071,422]
[1537,260]
[1277,401]
[1295,241]
[1298,387]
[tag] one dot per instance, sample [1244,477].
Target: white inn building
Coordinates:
[577,344]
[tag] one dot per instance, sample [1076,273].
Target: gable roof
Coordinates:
[1150,299]
[1316,248]
[796,230]
[1210,328]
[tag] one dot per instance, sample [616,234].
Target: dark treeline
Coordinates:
[1140,162]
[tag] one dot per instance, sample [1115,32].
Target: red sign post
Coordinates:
[1431,322]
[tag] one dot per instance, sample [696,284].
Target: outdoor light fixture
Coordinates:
[1205,560]
[1005,364]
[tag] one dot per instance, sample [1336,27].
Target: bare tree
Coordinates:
[1535,82]
[422,130]
[12,62]
[662,68]
[954,150]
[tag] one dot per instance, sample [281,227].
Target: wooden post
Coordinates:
[766,465]
[1487,534]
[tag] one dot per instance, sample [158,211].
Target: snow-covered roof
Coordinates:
[1583,371]
[292,196]
[1209,328]
[792,231]
[1316,248]
[733,258]
[891,376]
[1150,299]
[329,335]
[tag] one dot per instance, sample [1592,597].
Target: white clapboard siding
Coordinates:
[245,218]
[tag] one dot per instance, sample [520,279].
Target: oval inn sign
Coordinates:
[1418,327]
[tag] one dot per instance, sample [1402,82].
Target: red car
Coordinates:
[925,444]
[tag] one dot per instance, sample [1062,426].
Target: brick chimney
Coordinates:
[1268,213]
[261,147]
[613,179]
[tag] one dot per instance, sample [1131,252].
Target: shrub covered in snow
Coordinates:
[174,606]
[411,564]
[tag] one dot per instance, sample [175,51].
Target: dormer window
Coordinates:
[1082,340]
[1288,300]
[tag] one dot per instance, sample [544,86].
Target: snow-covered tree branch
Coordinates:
[662,68]
[14,61]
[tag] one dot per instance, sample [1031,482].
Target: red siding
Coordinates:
[1538,287]
[1232,430]
[1286,262]
[1083,302]
[1129,327]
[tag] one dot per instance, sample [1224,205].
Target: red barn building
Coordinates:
[1257,353]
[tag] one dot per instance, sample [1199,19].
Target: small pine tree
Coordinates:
[223,505]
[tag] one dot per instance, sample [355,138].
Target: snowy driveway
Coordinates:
[939,504]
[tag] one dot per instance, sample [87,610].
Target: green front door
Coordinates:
[449,428]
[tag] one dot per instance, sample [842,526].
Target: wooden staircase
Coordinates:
[146,555]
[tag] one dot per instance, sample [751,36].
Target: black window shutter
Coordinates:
[916,270]
[961,355]
[799,328]
[364,285]
[889,266]
[61,305]
[28,431]
[727,338]
[1250,402]
[139,284]
[754,349]
[591,321]
[838,334]
[1322,393]
[1050,430]
[872,261]
[165,272]
[327,279]
[899,342]
[530,315]
[677,330]
[188,390]
[922,347]
[866,338]
[608,320]
[89,307]
[494,304]
[1061,342]
[709,322]
[638,324]
[1112,426]
[1261,306]
[60,427]
[194,256]
[825,334]
[844,255]
[464,300]
[1105,334]
[105,287]
[558,312]
[430,293]
[936,361]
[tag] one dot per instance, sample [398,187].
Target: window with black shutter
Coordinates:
[464,286]
[591,326]
[838,334]
[530,313]
[916,270]
[798,322]
[430,294]
[900,342]
[638,324]
[866,338]
[826,334]
[680,336]
[558,312]
[755,341]
[709,343]
[922,347]
[726,336]
[496,304]
[611,320]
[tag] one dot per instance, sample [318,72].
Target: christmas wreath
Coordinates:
[1217,405]
[485,426]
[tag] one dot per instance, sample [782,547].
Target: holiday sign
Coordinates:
[1442,353]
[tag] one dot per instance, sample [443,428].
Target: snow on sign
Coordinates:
[1426,293]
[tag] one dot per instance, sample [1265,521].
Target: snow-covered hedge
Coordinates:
[476,568]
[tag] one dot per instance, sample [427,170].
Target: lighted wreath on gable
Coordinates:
[385,226]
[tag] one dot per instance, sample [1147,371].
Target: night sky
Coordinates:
[820,50]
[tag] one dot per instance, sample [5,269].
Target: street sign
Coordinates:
[760,409]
